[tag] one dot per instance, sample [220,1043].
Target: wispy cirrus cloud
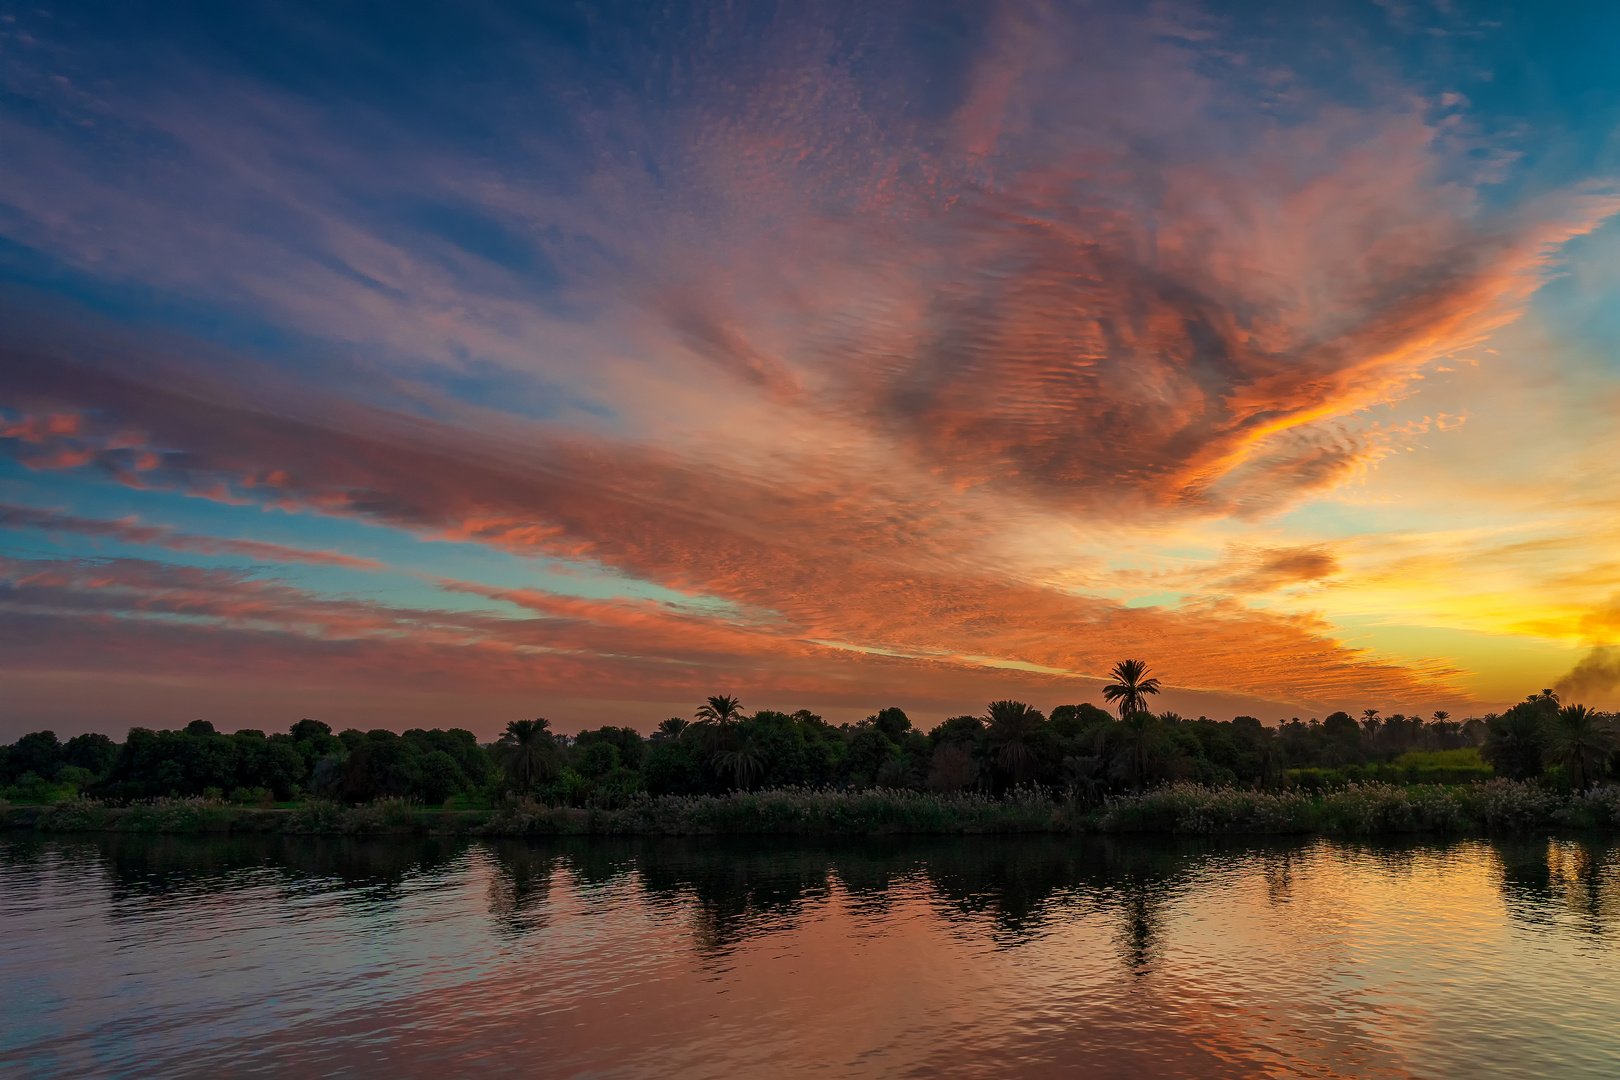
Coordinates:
[823,572]
[894,372]
[129,530]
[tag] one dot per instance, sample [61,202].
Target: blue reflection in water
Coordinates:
[181,956]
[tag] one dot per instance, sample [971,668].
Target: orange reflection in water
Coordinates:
[978,957]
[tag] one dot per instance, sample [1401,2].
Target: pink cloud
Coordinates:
[848,353]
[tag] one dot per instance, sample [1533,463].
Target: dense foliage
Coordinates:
[1080,752]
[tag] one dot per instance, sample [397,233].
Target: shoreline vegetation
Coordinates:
[1539,765]
[1488,808]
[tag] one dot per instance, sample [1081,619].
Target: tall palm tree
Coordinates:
[1447,732]
[528,752]
[1516,741]
[723,710]
[1011,729]
[1139,736]
[746,764]
[1581,741]
[1370,724]
[1130,687]
[1271,760]
[716,727]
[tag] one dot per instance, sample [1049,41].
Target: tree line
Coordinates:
[1083,750]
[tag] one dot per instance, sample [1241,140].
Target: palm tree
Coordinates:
[1130,687]
[1138,736]
[1082,774]
[723,710]
[1447,732]
[1369,724]
[1011,727]
[528,752]
[671,728]
[716,727]
[1271,760]
[1516,740]
[746,763]
[1581,741]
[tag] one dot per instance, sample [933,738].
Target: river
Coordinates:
[149,956]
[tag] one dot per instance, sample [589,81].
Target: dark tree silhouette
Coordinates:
[528,753]
[1515,741]
[1130,687]
[745,765]
[1011,729]
[1581,741]
[722,710]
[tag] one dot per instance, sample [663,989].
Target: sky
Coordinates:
[405,365]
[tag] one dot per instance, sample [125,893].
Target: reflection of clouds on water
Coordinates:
[965,956]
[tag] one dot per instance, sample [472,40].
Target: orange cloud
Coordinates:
[850,356]
[829,583]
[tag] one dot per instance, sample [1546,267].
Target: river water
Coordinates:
[180,956]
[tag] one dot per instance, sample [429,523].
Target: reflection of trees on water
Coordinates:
[1022,886]
[1562,882]
[1006,890]
[520,887]
[1140,936]
[734,888]
[1278,868]
[142,869]
[728,890]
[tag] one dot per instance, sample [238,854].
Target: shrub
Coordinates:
[175,816]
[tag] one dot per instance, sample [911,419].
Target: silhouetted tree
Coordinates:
[1515,740]
[1010,731]
[1130,687]
[1581,741]
[722,710]
[893,722]
[745,764]
[1137,739]
[528,753]
[952,768]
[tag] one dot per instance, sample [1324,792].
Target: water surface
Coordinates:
[180,956]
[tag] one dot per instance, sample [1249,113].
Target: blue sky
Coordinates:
[372,362]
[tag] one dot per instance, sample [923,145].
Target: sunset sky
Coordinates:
[406,366]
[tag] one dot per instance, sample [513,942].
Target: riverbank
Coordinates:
[1495,806]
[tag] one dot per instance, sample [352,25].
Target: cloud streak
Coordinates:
[130,531]
[819,567]
[883,379]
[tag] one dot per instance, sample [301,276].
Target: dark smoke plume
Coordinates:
[1595,678]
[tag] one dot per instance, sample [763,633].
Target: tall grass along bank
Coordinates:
[1362,810]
